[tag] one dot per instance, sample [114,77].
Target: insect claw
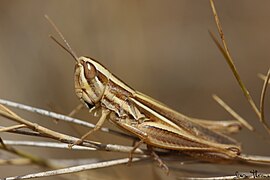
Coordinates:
[166,168]
[130,159]
[70,146]
[78,142]
[132,151]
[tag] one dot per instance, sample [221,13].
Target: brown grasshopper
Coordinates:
[154,123]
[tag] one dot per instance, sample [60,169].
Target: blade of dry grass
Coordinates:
[68,139]
[233,113]
[254,159]
[265,85]
[75,169]
[25,132]
[225,51]
[76,110]
[34,126]
[224,126]
[46,144]
[236,75]
[12,127]
[34,159]
[263,77]
[58,116]
[16,161]
[226,54]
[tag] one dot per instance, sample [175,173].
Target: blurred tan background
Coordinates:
[161,48]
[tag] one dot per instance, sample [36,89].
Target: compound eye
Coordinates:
[89,70]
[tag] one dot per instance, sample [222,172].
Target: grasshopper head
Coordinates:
[90,80]
[90,77]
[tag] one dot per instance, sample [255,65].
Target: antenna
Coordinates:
[68,48]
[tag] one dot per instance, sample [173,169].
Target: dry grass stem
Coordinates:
[46,144]
[3,129]
[75,169]
[25,132]
[224,126]
[66,138]
[263,77]
[34,159]
[233,113]
[254,159]
[229,59]
[76,110]
[17,161]
[58,116]
[226,54]
[265,85]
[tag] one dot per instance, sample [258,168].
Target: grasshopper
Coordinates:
[154,123]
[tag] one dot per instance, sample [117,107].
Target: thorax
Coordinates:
[117,99]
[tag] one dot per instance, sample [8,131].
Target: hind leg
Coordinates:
[161,164]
